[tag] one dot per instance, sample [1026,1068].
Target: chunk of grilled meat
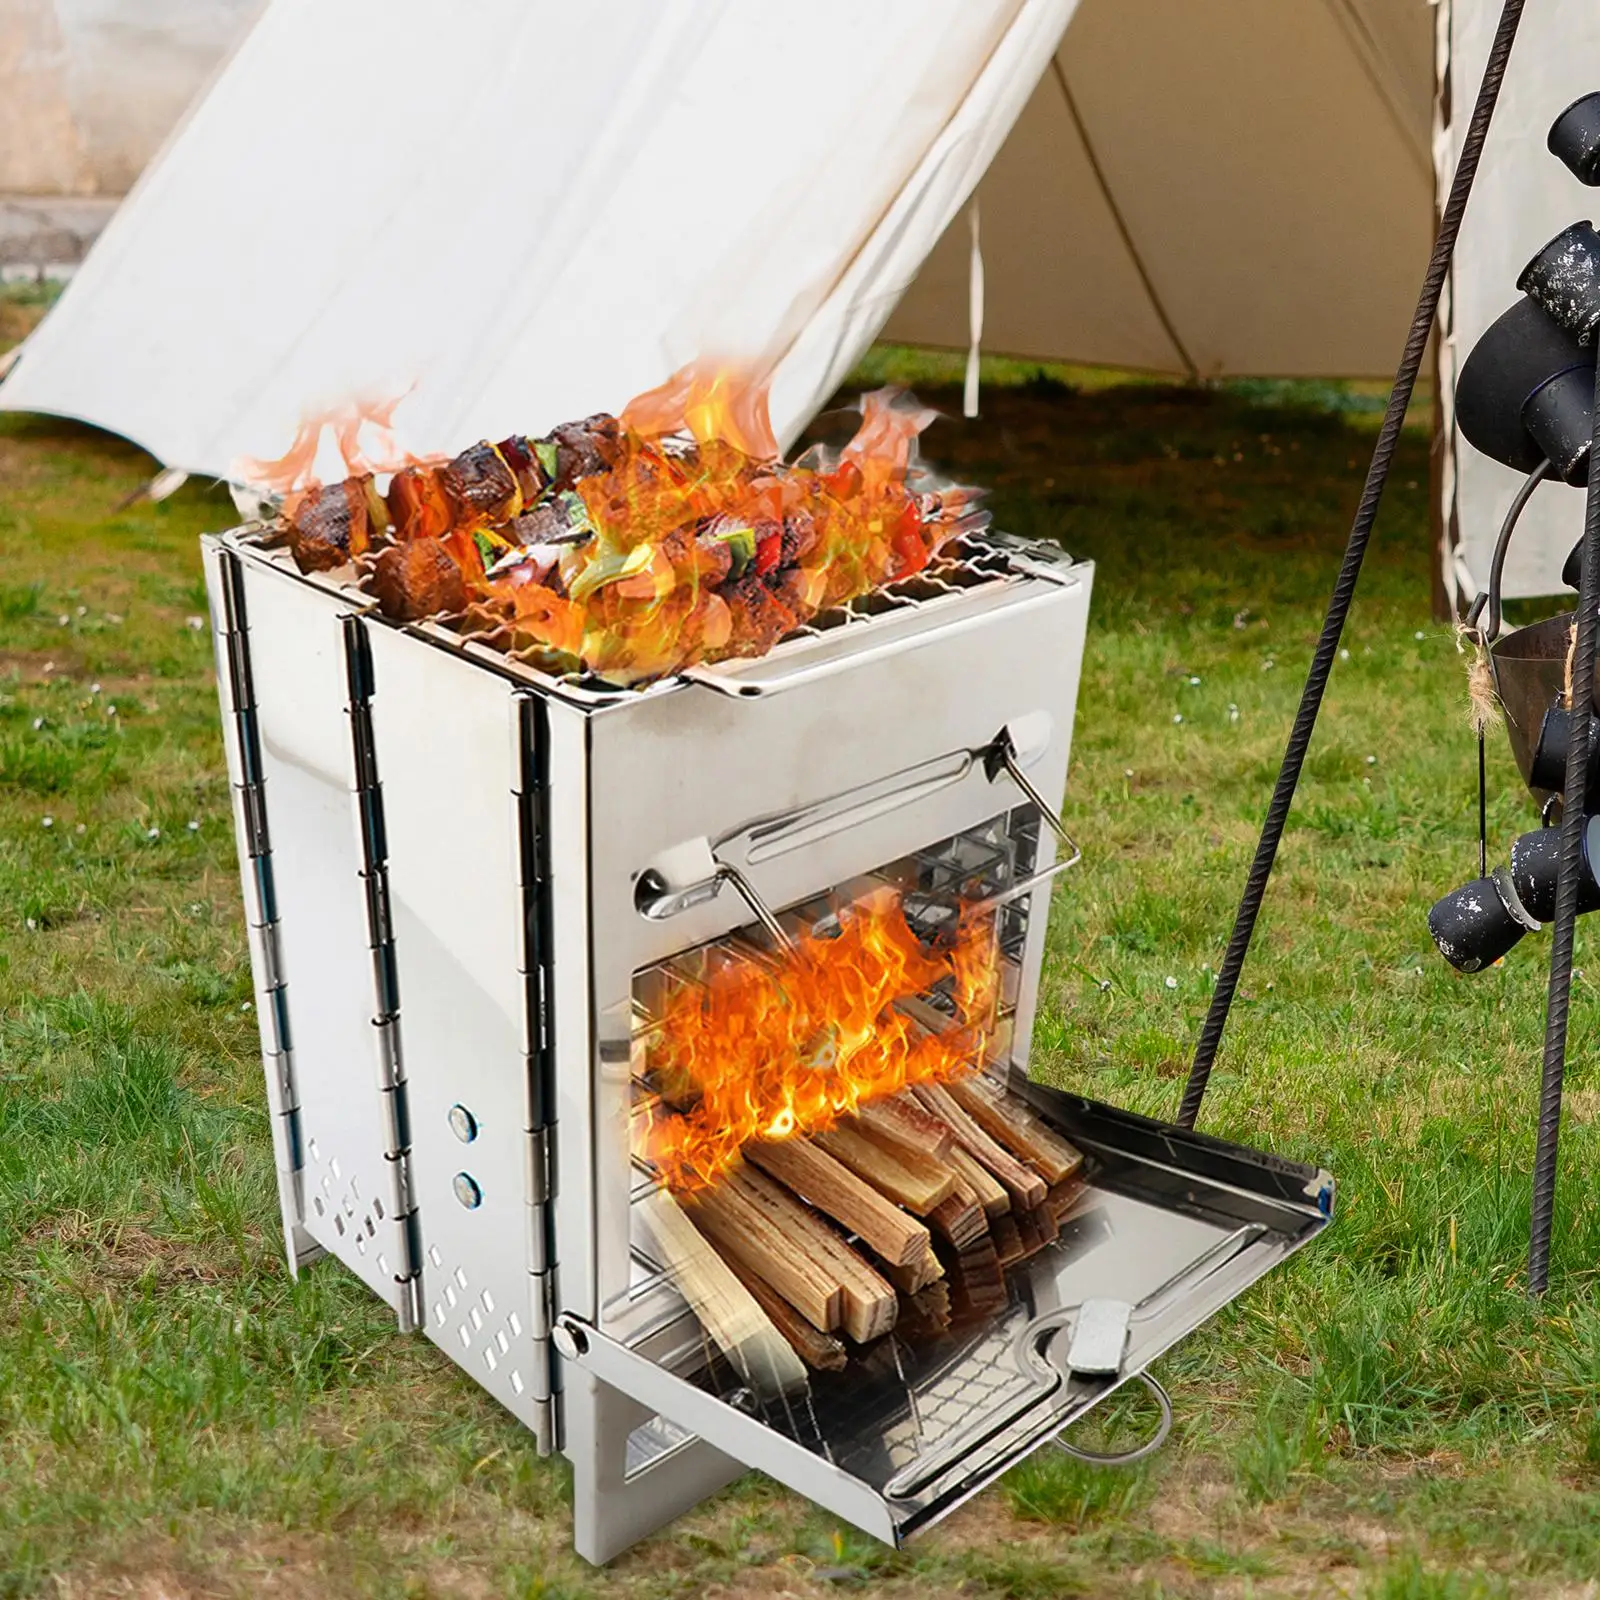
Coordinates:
[482,485]
[418,504]
[417,578]
[327,526]
[584,448]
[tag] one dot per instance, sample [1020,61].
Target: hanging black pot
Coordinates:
[1575,139]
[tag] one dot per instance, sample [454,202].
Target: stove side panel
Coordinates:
[450,742]
[242,748]
[320,960]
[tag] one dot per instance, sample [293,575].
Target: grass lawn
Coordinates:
[1385,1416]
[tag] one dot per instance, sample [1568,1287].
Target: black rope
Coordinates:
[1483,812]
[1490,630]
[1350,570]
[1571,870]
[1490,597]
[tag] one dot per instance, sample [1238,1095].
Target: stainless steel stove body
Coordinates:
[459,875]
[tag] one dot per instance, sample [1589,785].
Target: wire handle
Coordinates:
[1126,1458]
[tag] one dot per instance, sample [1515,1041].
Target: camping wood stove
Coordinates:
[453,990]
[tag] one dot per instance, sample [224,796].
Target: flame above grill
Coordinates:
[763,1053]
[632,547]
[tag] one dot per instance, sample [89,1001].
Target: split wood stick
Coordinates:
[819,1350]
[1063,1198]
[1024,1185]
[1038,1229]
[837,1192]
[916,1182]
[867,1306]
[960,1219]
[747,1233]
[1006,1119]
[899,1120]
[1008,1241]
[986,1189]
[734,1319]
[926,1314]
[977,1286]
[916,1275]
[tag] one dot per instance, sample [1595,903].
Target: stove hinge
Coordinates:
[242,734]
[368,799]
[539,1190]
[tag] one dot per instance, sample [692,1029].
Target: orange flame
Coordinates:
[758,1054]
[727,512]
[712,403]
[294,471]
[638,546]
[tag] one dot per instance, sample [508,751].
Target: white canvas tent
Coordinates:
[528,214]
[1524,196]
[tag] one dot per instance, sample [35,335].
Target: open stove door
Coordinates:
[1171,1227]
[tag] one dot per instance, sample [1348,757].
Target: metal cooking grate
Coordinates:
[970,563]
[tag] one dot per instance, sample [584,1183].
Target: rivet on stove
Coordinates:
[462,1123]
[467,1190]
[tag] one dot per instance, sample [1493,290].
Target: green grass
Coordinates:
[1386,1416]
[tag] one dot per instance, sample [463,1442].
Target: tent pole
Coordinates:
[1350,569]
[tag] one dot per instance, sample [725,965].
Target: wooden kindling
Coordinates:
[917,1182]
[839,1193]
[1006,1119]
[736,1320]
[1023,1184]
[751,1234]
[817,1349]
[867,1305]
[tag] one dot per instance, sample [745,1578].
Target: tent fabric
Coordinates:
[1212,189]
[1524,196]
[559,217]
[548,223]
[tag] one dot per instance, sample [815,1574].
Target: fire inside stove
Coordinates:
[826,1173]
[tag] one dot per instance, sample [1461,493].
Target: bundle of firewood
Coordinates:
[905,1215]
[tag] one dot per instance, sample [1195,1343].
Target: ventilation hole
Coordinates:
[490,1359]
[355,1188]
[361,1244]
[516,1381]
[488,1301]
[349,1206]
[438,1313]
[338,1223]
[516,1325]
[327,1184]
[434,1256]
[377,1209]
[501,1340]
[335,1165]
[477,1319]
[466,1336]
[461,1278]
[450,1296]
[316,1154]
[372,1232]
[316,1200]
[383,1265]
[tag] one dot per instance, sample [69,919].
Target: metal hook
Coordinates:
[1002,757]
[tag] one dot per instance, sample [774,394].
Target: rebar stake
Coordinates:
[1571,868]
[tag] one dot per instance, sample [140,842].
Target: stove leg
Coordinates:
[610,1509]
